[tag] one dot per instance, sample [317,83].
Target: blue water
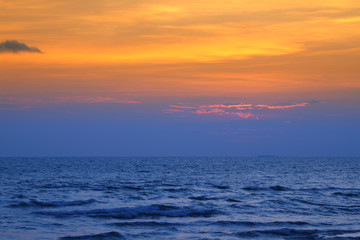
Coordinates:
[180,198]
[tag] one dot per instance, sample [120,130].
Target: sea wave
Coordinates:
[290,233]
[347,194]
[283,232]
[274,188]
[101,236]
[145,224]
[36,203]
[202,198]
[152,211]
[261,224]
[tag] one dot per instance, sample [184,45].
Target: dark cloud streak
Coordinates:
[13,46]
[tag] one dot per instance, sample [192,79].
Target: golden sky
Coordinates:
[192,48]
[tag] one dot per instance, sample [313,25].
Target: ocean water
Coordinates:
[180,198]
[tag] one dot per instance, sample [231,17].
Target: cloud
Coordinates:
[80,99]
[260,106]
[212,110]
[13,46]
[241,110]
[186,107]
[229,106]
[245,115]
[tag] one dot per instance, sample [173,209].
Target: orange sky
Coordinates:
[167,48]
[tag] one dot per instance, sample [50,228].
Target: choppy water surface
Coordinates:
[179,198]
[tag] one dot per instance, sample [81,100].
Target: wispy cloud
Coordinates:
[241,106]
[185,107]
[241,110]
[13,46]
[80,99]
[208,111]
[260,106]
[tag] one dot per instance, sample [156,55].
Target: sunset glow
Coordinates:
[168,63]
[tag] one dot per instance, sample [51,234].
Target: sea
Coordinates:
[179,198]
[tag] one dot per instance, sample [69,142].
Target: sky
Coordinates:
[180,78]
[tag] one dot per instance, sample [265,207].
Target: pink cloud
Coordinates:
[81,99]
[283,106]
[245,111]
[185,107]
[214,110]
[244,115]
[228,106]
[222,109]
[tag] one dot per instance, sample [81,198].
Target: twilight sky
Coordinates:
[179,78]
